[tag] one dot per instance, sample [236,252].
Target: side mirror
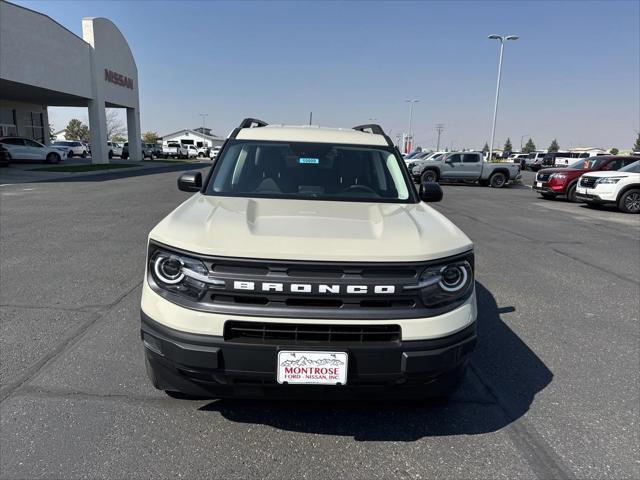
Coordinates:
[430,192]
[190,182]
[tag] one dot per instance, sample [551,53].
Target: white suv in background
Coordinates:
[74,148]
[621,187]
[26,149]
[114,150]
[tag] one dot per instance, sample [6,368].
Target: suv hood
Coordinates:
[282,229]
[611,173]
[563,170]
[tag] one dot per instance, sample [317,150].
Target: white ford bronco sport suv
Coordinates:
[306,264]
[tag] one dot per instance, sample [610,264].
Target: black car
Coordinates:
[4,157]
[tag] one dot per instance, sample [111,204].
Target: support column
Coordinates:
[98,128]
[133,134]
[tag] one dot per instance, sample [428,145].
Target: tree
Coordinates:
[529,147]
[508,148]
[51,132]
[554,147]
[76,130]
[636,147]
[119,138]
[115,126]
[485,149]
[150,137]
[614,151]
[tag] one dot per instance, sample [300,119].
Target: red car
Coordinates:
[553,182]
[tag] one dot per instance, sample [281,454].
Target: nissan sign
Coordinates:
[118,79]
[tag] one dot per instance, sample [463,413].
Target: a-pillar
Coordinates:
[133,134]
[98,129]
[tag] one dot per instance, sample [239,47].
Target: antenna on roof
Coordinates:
[310,117]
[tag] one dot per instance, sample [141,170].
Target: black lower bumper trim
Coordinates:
[208,365]
[586,197]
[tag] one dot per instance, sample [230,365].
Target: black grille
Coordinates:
[543,177]
[292,334]
[588,182]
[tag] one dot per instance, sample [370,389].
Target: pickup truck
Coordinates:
[175,150]
[467,167]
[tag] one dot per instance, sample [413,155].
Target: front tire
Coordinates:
[630,201]
[571,194]
[84,154]
[498,180]
[53,158]
[110,154]
[70,154]
[429,176]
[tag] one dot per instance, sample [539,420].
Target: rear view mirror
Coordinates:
[190,182]
[430,192]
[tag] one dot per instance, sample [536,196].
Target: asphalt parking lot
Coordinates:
[552,391]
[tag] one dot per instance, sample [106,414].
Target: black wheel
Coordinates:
[70,154]
[53,158]
[548,196]
[571,193]
[630,201]
[429,176]
[110,154]
[498,180]
[84,154]
[200,155]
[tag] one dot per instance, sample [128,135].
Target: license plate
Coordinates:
[539,184]
[316,368]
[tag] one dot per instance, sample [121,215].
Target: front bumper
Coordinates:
[207,365]
[595,195]
[548,187]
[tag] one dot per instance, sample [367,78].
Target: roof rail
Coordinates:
[247,123]
[375,129]
[252,122]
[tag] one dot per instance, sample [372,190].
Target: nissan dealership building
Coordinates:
[43,64]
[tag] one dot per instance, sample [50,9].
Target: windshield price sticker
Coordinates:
[308,160]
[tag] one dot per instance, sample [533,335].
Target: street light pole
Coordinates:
[410,133]
[439,128]
[502,39]
[521,139]
[203,115]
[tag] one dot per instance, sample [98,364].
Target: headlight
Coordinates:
[181,274]
[558,176]
[608,180]
[445,284]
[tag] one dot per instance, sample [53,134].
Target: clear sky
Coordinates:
[574,74]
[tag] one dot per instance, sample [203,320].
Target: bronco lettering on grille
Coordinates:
[320,288]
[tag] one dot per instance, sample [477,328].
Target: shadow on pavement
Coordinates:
[503,368]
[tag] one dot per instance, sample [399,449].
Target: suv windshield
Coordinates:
[310,171]
[632,168]
[587,163]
